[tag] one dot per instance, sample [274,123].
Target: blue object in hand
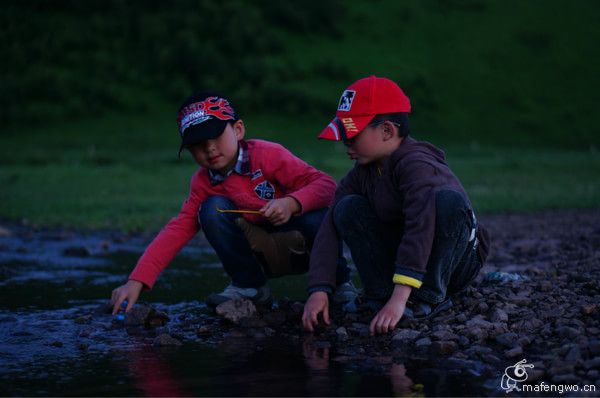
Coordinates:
[120,317]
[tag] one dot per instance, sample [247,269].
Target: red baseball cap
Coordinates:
[360,102]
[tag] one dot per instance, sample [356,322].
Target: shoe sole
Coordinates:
[441,307]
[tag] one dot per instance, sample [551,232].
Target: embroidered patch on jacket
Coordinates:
[265,190]
[256,174]
[346,100]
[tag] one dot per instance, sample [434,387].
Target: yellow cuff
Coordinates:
[407,280]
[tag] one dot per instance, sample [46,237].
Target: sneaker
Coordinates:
[417,309]
[363,305]
[345,293]
[259,296]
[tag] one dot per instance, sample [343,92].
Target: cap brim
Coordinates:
[342,129]
[203,131]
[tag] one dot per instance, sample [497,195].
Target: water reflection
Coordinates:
[242,366]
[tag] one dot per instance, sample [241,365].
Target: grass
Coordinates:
[507,88]
[122,172]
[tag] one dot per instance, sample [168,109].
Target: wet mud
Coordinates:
[58,337]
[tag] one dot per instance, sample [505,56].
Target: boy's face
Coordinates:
[366,147]
[219,154]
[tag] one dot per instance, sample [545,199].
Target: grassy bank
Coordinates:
[123,172]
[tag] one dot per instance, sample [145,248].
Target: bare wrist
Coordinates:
[294,204]
[402,291]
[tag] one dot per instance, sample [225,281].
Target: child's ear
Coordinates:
[239,129]
[388,130]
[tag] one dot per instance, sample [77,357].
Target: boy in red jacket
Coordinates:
[404,215]
[275,191]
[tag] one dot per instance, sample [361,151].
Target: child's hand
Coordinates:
[130,291]
[316,303]
[279,211]
[387,317]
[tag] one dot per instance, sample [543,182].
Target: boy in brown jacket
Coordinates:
[405,216]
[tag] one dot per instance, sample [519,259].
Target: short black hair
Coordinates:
[400,119]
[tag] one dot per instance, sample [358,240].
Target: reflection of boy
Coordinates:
[405,216]
[285,193]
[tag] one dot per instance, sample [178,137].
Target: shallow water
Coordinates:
[51,281]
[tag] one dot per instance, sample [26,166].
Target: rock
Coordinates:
[83,319]
[574,354]
[477,333]
[5,232]
[592,363]
[145,315]
[544,286]
[461,318]
[513,352]
[526,246]
[137,315]
[236,310]
[156,319]
[235,334]
[444,335]
[297,307]
[423,343]
[594,347]
[341,333]
[520,300]
[498,315]
[567,332]
[507,339]
[497,329]
[406,335]
[166,340]
[257,334]
[479,322]
[274,318]
[463,341]
[524,340]
[104,309]
[322,344]
[482,308]
[361,329]
[456,362]
[203,331]
[527,325]
[269,332]
[478,350]
[489,358]
[444,347]
[588,309]
[592,374]
[86,332]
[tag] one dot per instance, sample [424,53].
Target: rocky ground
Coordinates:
[551,317]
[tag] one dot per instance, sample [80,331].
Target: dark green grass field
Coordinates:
[508,89]
[121,172]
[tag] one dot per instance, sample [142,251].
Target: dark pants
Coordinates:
[233,249]
[453,262]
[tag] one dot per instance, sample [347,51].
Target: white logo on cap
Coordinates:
[346,100]
[193,119]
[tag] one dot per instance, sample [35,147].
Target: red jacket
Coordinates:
[287,174]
